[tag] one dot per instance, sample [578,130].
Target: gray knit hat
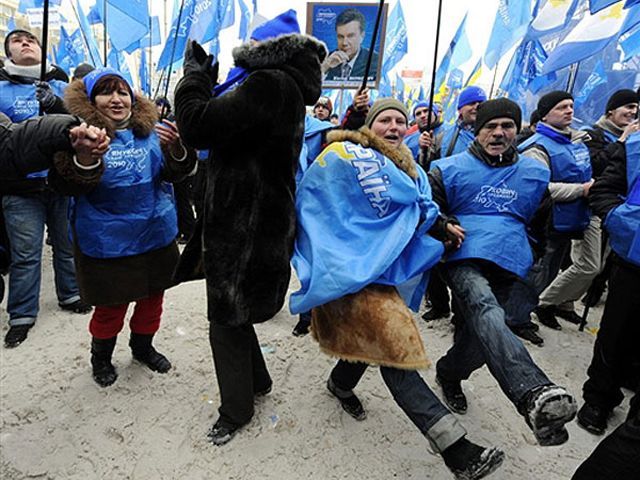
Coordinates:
[383,104]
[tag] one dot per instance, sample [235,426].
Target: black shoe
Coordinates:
[221,433]
[16,335]
[263,391]
[547,318]
[468,461]
[104,373]
[76,307]
[349,401]
[546,410]
[453,395]
[433,314]
[527,333]
[301,328]
[569,316]
[143,351]
[593,419]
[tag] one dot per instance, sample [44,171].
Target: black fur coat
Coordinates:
[254,134]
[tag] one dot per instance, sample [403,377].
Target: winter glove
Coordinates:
[197,60]
[45,95]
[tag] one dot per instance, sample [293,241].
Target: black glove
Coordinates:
[196,60]
[45,95]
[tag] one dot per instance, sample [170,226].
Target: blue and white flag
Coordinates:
[553,17]
[598,77]
[630,3]
[588,37]
[26,4]
[512,19]
[459,51]
[245,20]
[127,21]
[143,73]
[116,60]
[397,43]
[87,36]
[596,5]
[630,45]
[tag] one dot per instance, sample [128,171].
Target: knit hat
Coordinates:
[471,95]
[325,102]
[498,108]
[83,70]
[620,99]
[91,80]
[284,23]
[15,32]
[424,104]
[534,118]
[383,104]
[550,100]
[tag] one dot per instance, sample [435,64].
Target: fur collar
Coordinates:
[144,115]
[401,156]
[278,51]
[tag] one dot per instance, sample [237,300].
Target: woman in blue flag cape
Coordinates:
[367,233]
[124,225]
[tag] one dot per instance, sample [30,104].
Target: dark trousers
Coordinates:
[617,457]
[240,370]
[616,348]
[437,291]
[186,217]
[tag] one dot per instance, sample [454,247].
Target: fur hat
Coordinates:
[498,108]
[550,100]
[620,99]
[383,104]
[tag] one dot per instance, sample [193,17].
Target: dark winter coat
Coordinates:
[120,280]
[600,149]
[254,134]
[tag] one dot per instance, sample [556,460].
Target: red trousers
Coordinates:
[107,322]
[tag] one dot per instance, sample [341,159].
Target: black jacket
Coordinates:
[600,150]
[254,134]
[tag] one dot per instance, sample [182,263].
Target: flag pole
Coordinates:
[435,65]
[104,33]
[44,44]
[173,52]
[493,82]
[573,76]
[371,47]
[150,79]
[84,37]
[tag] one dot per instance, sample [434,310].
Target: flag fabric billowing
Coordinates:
[631,45]
[87,36]
[396,39]
[598,76]
[229,13]
[399,88]
[11,25]
[474,76]
[143,73]
[384,88]
[152,38]
[592,34]
[632,19]
[630,3]
[70,51]
[127,21]
[458,52]
[552,17]
[596,5]
[512,19]
[116,60]
[26,4]
[94,15]
[245,20]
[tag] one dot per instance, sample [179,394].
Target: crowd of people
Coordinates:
[491,224]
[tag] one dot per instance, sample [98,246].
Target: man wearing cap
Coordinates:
[495,194]
[420,137]
[563,150]
[457,138]
[28,202]
[323,108]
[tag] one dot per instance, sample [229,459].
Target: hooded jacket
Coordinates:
[254,134]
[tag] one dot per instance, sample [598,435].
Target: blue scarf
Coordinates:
[236,76]
[547,131]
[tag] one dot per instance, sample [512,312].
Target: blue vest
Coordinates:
[570,163]
[623,222]
[494,206]
[455,140]
[18,102]
[131,211]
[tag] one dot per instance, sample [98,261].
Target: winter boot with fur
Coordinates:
[104,373]
[144,352]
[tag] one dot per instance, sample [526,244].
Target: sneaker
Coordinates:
[569,316]
[593,419]
[76,307]
[468,461]
[221,433]
[301,329]
[16,335]
[527,333]
[453,395]
[547,318]
[349,401]
[433,314]
[546,410]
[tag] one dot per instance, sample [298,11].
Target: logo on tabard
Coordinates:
[372,180]
[25,105]
[126,157]
[498,197]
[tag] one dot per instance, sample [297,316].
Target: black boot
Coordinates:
[104,373]
[144,352]
[468,461]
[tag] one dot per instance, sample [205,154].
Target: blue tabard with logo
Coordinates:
[131,211]
[570,163]
[456,140]
[623,222]
[494,205]
[18,102]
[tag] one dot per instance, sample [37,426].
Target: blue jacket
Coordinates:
[455,139]
[494,206]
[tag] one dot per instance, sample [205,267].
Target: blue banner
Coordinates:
[512,19]
[127,21]
[397,44]
[87,36]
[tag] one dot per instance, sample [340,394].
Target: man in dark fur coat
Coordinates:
[253,127]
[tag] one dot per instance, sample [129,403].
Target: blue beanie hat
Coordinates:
[471,95]
[424,104]
[93,77]
[284,23]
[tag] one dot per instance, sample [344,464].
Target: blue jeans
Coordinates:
[25,217]
[480,292]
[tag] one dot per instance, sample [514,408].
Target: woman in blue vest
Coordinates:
[124,228]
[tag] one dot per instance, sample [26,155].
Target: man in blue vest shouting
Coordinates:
[495,193]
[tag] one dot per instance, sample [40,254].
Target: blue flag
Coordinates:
[631,45]
[399,88]
[596,5]
[512,19]
[94,15]
[630,3]
[115,60]
[11,25]
[151,39]
[25,4]
[384,88]
[458,52]
[127,21]
[143,73]
[87,36]
[397,43]
[552,17]
[598,77]
[245,20]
